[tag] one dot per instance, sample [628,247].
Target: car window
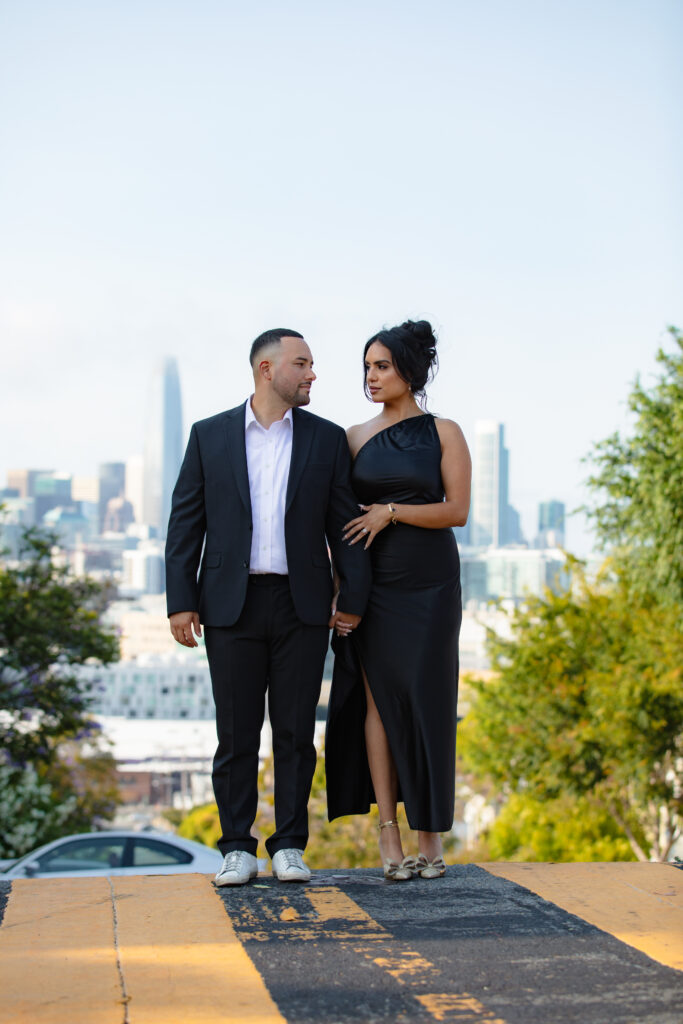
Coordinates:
[83,855]
[147,852]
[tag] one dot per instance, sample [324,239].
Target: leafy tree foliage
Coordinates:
[38,804]
[53,779]
[588,702]
[587,706]
[30,809]
[566,829]
[49,625]
[638,484]
[201,824]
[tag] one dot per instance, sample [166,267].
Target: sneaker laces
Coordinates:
[232,860]
[292,858]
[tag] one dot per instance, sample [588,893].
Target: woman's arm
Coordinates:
[456,473]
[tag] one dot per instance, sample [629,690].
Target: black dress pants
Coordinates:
[268,648]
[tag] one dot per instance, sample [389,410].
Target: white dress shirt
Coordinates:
[269,453]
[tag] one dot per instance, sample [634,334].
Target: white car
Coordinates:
[115,853]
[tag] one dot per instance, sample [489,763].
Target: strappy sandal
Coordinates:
[393,871]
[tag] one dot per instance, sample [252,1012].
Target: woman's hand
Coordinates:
[343,623]
[367,526]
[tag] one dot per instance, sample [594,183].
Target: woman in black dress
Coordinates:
[392,715]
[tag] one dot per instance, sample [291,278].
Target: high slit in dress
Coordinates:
[407,641]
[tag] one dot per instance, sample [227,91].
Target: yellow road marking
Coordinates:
[57,956]
[640,904]
[181,958]
[406,966]
[331,904]
[458,1009]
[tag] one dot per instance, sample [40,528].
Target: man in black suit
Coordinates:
[263,489]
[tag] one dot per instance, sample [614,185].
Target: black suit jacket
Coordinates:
[211,513]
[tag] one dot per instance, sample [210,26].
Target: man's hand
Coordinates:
[182,625]
[343,623]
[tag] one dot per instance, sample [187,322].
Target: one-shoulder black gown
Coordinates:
[407,641]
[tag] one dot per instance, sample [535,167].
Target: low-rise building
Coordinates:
[168,686]
[510,573]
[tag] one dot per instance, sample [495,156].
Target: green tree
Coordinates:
[566,829]
[587,703]
[201,824]
[49,627]
[638,484]
[40,803]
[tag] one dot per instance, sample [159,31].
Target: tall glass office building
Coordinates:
[163,444]
[494,520]
[551,524]
[489,485]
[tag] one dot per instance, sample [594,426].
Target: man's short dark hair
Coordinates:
[273,337]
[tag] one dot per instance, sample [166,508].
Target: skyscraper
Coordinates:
[135,485]
[163,444]
[51,490]
[494,521]
[489,484]
[550,524]
[24,480]
[112,478]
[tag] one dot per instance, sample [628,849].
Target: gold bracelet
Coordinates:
[392,509]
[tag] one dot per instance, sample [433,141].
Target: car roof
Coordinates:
[115,833]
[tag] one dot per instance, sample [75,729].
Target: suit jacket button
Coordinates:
[245,565]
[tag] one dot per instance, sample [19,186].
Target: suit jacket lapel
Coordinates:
[302,438]
[234,435]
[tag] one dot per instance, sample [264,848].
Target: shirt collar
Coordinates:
[250,419]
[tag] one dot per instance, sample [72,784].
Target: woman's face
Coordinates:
[384,383]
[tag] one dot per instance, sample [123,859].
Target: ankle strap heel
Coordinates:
[393,871]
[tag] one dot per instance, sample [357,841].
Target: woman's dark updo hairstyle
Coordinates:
[413,350]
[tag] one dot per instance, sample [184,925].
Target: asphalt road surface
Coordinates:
[468,948]
[474,948]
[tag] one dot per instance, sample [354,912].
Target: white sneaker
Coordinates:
[238,868]
[288,866]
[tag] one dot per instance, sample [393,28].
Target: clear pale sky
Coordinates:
[178,176]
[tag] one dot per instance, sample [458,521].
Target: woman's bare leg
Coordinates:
[429,844]
[384,778]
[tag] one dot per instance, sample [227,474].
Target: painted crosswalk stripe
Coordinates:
[640,904]
[180,958]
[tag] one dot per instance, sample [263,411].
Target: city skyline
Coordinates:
[131,493]
[509,172]
[165,449]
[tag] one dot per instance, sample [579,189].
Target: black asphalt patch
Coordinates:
[5,889]
[470,947]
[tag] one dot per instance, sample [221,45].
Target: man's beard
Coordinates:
[292,396]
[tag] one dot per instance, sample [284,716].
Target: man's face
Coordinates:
[292,371]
